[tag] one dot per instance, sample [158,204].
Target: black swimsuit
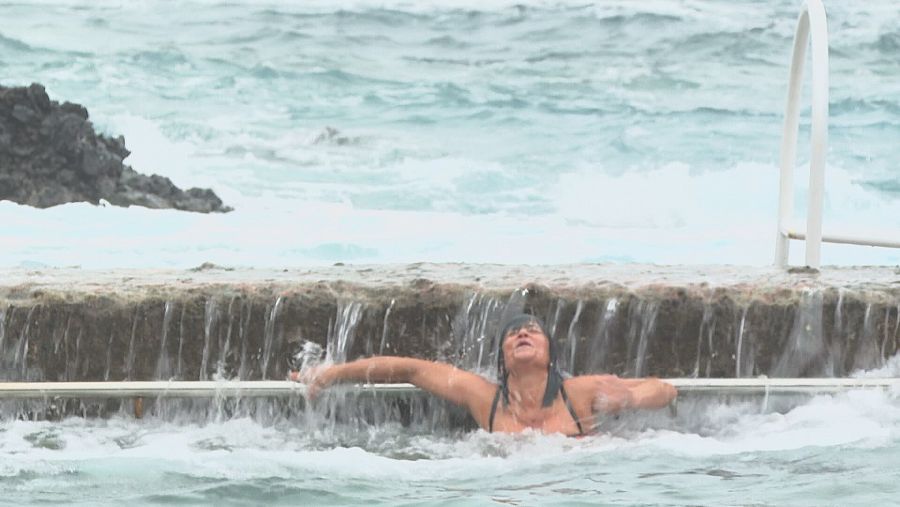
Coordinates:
[565,398]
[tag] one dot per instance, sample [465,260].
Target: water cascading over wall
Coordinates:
[71,325]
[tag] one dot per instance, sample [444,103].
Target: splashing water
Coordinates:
[464,131]
[826,442]
[310,356]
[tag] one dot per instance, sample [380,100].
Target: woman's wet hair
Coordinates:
[554,376]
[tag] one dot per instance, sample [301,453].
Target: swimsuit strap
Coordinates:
[494,410]
[565,398]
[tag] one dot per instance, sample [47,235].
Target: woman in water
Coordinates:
[532,392]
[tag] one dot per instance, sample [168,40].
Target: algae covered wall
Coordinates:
[632,321]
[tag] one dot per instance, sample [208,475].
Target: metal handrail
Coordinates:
[272,388]
[812,29]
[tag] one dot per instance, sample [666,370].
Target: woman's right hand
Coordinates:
[315,379]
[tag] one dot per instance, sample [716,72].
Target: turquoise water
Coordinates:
[457,131]
[830,451]
[364,131]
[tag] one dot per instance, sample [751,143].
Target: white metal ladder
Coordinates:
[812,29]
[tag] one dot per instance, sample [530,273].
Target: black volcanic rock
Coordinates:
[50,154]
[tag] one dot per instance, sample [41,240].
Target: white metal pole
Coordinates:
[812,30]
[789,139]
[271,388]
[819,131]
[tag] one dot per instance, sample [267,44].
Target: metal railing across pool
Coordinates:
[279,388]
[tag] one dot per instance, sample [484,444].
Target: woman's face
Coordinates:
[525,345]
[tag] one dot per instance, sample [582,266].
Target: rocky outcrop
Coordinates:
[50,155]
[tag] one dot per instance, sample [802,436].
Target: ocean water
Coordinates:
[460,131]
[833,450]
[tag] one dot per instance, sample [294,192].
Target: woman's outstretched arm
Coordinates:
[650,392]
[611,394]
[446,381]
